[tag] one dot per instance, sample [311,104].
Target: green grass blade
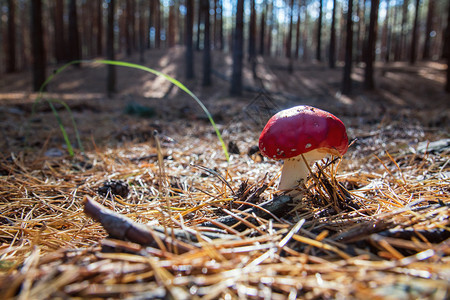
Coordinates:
[129,65]
[63,130]
[178,84]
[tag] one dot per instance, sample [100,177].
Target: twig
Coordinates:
[277,206]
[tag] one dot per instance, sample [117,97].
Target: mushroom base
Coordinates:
[295,171]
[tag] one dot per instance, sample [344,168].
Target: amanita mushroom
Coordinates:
[301,130]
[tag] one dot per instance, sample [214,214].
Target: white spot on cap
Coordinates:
[293,150]
[308,146]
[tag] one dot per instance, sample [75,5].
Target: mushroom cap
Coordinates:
[301,129]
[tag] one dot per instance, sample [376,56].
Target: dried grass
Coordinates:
[379,230]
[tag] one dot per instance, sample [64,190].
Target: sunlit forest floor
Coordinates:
[374,225]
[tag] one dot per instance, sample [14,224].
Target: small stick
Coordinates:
[277,206]
[123,228]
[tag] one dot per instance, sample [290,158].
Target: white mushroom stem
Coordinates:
[295,171]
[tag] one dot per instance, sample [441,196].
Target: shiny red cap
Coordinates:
[301,129]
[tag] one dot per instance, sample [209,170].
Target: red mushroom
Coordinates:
[301,130]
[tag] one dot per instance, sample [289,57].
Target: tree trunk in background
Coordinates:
[396,38]
[269,31]
[252,32]
[319,33]
[206,45]
[347,80]
[221,40]
[305,34]
[369,83]
[360,29]
[199,24]
[262,28]
[127,33]
[289,38]
[189,39]
[37,45]
[447,42]
[74,38]
[332,54]
[238,43]
[297,33]
[428,30]
[110,53]
[157,24]
[60,45]
[171,32]
[388,30]
[412,58]
[151,19]
[141,35]
[11,39]
[403,29]
[99,27]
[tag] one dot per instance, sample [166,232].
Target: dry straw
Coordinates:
[377,231]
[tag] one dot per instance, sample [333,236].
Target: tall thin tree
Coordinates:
[252,32]
[412,55]
[369,83]
[99,27]
[289,38]
[388,26]
[110,53]
[11,42]
[332,50]
[189,39]
[428,30]
[37,45]
[262,27]
[74,37]
[347,80]
[60,45]
[297,32]
[206,45]
[319,32]
[447,39]
[238,51]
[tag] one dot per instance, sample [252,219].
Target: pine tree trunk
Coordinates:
[128,41]
[369,83]
[110,53]
[262,28]
[189,39]
[447,42]
[388,33]
[158,24]
[11,40]
[319,33]
[238,41]
[199,24]
[252,32]
[99,26]
[37,45]
[269,32]
[347,81]
[171,34]
[412,58]
[206,45]
[289,38]
[297,34]
[429,28]
[141,33]
[221,39]
[74,38]
[332,54]
[403,29]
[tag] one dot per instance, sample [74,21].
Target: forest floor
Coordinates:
[376,225]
